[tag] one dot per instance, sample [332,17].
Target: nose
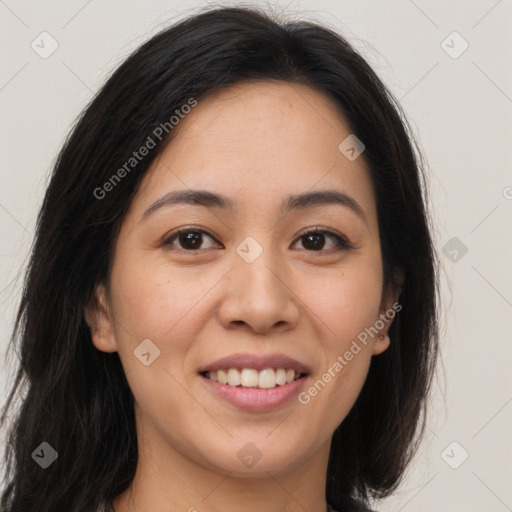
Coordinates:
[258,296]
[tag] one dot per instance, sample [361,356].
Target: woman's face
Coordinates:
[245,281]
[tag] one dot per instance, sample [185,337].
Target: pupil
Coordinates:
[315,238]
[192,239]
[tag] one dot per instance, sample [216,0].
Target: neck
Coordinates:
[168,480]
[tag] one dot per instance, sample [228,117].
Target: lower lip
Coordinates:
[251,399]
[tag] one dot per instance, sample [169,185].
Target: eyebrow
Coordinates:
[292,202]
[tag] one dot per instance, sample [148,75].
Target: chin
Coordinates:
[259,457]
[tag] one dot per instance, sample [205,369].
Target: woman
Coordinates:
[231,298]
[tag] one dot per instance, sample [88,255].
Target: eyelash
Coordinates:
[341,242]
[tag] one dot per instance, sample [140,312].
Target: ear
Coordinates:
[388,309]
[98,316]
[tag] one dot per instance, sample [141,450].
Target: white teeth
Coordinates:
[233,377]
[267,378]
[250,378]
[221,375]
[281,376]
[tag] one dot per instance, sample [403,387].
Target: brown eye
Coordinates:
[315,240]
[188,239]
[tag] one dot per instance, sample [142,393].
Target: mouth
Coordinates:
[267,378]
[255,382]
[255,370]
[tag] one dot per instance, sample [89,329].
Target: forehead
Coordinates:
[262,140]
[245,116]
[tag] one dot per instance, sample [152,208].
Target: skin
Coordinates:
[255,143]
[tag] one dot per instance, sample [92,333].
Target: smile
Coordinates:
[267,378]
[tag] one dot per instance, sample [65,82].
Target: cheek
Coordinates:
[347,301]
[152,299]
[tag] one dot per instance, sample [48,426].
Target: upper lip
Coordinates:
[256,361]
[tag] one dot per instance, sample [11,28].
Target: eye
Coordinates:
[189,239]
[314,240]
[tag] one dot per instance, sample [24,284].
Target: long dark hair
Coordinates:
[75,397]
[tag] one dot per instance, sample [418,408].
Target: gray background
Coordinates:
[459,106]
